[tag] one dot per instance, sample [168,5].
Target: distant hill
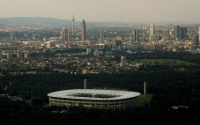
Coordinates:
[33,20]
[48,21]
[53,21]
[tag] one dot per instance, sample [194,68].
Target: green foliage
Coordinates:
[169,62]
[37,101]
[21,113]
[178,85]
[167,89]
[183,56]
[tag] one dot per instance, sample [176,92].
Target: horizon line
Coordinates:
[109,21]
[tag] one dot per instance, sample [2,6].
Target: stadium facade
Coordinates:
[93,98]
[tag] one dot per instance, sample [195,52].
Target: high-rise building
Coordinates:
[50,44]
[152,28]
[177,32]
[190,32]
[183,33]
[65,34]
[136,36]
[83,31]
[165,34]
[130,38]
[180,33]
[199,35]
[69,36]
[101,36]
[195,41]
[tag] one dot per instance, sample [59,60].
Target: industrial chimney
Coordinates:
[145,90]
[85,83]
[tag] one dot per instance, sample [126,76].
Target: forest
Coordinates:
[167,88]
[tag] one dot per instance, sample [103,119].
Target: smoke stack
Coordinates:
[145,90]
[85,83]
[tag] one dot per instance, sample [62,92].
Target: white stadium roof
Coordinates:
[77,94]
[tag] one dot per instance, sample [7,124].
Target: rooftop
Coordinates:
[94,94]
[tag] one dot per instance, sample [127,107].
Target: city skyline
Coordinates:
[112,10]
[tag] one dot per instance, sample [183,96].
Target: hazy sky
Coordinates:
[105,10]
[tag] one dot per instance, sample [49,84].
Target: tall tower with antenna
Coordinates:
[73,20]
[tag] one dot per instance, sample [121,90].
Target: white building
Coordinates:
[123,61]
[152,28]
[199,35]
[93,98]
[50,44]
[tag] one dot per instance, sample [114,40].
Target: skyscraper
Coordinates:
[101,36]
[199,35]
[152,28]
[195,41]
[177,32]
[83,31]
[65,34]
[136,36]
[183,33]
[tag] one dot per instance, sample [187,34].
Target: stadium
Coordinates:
[93,98]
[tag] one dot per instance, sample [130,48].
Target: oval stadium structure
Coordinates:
[93,98]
